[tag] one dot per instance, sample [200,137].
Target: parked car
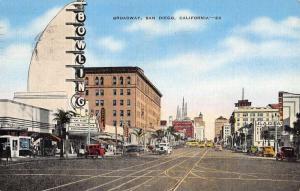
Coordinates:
[201,144]
[192,143]
[238,149]
[218,148]
[253,150]
[164,148]
[268,151]
[286,153]
[94,151]
[132,150]
[209,144]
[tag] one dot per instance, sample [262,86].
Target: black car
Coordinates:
[132,150]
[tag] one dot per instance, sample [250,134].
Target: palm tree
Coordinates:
[62,117]
[138,133]
[158,134]
[296,132]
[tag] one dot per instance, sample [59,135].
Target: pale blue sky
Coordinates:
[255,45]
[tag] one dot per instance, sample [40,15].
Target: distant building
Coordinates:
[246,115]
[199,128]
[163,125]
[226,133]
[289,106]
[186,127]
[219,122]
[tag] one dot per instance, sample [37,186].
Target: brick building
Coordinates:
[123,96]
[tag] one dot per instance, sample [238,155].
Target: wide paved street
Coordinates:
[186,169]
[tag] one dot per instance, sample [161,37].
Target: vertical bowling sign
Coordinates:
[78,100]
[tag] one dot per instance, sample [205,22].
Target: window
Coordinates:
[114,80]
[102,92]
[114,102]
[128,124]
[97,112]
[260,114]
[114,91]
[96,81]
[101,81]
[102,102]
[128,102]
[128,80]
[97,102]
[245,119]
[121,80]
[121,102]
[121,92]
[128,91]
[128,113]
[97,92]
[86,81]
[245,114]
[121,113]
[114,122]
[114,113]
[121,123]
[86,92]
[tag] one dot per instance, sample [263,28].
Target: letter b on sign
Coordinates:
[80,17]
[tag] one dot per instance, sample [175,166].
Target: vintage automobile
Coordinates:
[201,144]
[287,153]
[209,144]
[253,150]
[163,148]
[132,150]
[268,151]
[94,151]
[192,143]
[218,147]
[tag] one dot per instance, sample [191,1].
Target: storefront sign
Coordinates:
[77,100]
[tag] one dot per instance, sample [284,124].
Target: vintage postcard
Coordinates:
[150,95]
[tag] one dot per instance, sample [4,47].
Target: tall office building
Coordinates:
[123,96]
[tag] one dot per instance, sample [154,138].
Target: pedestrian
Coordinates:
[8,153]
[1,153]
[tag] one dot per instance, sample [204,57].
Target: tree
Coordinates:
[138,133]
[296,132]
[62,118]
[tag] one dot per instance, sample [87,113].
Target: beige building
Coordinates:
[219,123]
[125,96]
[199,128]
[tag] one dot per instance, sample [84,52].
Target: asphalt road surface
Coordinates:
[185,169]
